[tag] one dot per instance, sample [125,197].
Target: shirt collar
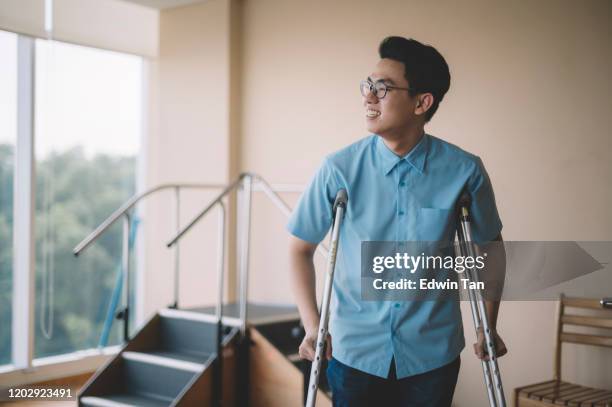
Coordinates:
[416,157]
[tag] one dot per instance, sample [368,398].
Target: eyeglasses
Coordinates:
[378,89]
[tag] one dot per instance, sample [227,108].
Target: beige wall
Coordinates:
[530,94]
[188,142]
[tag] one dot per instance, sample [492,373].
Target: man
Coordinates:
[402,185]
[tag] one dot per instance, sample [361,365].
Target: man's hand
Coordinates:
[480,348]
[307,347]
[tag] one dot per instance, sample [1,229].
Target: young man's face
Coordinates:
[392,115]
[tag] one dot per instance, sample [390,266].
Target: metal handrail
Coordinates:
[123,212]
[207,209]
[285,208]
[267,190]
[218,200]
[129,204]
[245,180]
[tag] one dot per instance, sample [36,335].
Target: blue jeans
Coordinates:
[354,388]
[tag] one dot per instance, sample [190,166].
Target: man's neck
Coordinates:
[402,144]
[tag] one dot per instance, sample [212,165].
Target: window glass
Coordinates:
[8,137]
[88,119]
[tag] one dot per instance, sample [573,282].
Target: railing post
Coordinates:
[220,262]
[244,226]
[244,237]
[125,262]
[218,377]
[176,249]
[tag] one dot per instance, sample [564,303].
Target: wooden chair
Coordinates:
[560,393]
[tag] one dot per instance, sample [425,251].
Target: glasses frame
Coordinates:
[372,86]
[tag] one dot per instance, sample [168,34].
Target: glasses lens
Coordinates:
[380,90]
[365,88]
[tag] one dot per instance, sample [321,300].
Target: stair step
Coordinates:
[124,400]
[186,332]
[168,359]
[167,356]
[258,313]
[143,375]
[189,315]
[201,358]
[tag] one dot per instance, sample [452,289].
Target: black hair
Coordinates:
[425,68]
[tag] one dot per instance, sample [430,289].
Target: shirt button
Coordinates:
[401,213]
[397,305]
[402,184]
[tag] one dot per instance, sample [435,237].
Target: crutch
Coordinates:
[490,368]
[338,211]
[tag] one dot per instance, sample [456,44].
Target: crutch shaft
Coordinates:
[476,319]
[490,368]
[315,369]
[486,365]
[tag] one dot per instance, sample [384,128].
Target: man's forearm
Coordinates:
[496,269]
[303,281]
[492,310]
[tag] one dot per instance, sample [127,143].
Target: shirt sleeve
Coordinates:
[312,217]
[486,224]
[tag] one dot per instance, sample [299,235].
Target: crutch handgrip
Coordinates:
[465,200]
[341,199]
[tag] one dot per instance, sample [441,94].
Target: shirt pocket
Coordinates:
[435,224]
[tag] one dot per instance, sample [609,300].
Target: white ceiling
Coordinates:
[163,4]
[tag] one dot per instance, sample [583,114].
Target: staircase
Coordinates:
[170,362]
[173,360]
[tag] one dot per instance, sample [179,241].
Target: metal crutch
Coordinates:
[490,368]
[339,209]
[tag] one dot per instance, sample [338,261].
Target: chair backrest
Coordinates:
[572,313]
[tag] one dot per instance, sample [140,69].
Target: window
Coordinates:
[8,137]
[87,130]
[88,116]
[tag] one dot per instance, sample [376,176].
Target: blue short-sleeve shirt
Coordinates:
[394,198]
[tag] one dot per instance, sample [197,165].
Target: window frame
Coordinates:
[24,368]
[23,210]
